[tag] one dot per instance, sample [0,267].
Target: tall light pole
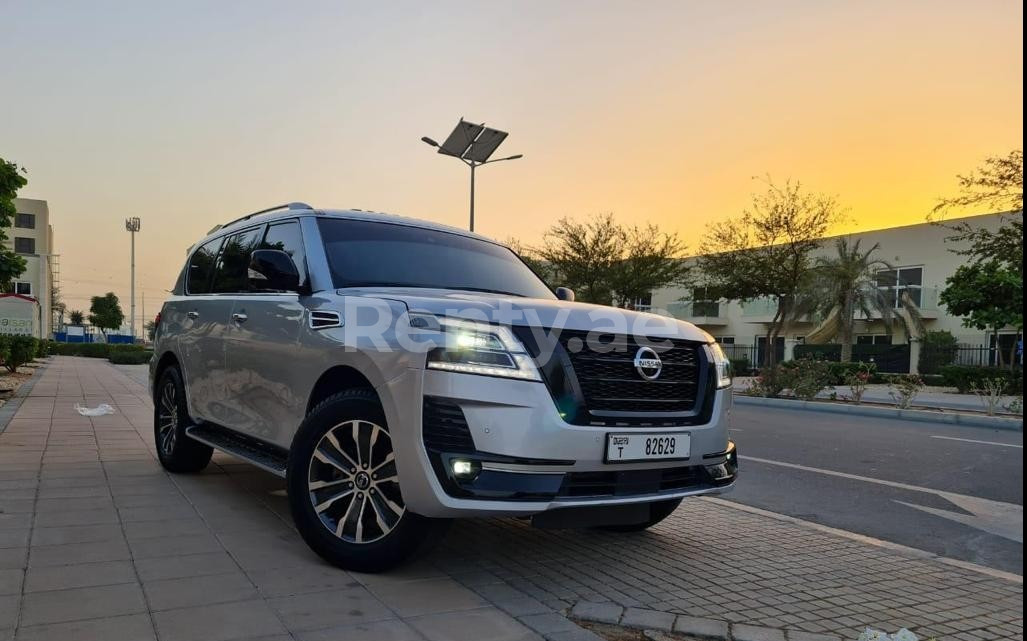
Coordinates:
[472,144]
[132,226]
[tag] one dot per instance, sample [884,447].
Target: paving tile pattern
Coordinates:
[98,542]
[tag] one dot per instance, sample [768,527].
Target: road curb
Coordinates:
[609,613]
[918,416]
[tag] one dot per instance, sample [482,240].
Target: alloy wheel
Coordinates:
[167,418]
[353,483]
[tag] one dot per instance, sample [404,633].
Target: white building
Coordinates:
[31,236]
[922,259]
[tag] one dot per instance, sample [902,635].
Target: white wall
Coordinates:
[37,268]
[914,245]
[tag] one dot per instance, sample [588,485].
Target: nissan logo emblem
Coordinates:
[648,363]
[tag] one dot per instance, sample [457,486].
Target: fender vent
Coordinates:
[322,319]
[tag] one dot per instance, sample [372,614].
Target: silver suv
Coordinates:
[399,373]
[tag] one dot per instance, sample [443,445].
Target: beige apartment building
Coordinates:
[922,260]
[31,236]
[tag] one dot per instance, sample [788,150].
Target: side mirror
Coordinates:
[565,293]
[273,270]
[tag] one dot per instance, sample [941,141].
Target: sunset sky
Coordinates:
[189,114]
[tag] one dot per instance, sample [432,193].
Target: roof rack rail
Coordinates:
[294,205]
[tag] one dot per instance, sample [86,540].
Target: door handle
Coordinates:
[239,318]
[193,314]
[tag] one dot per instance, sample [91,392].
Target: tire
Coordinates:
[177,452]
[344,489]
[657,512]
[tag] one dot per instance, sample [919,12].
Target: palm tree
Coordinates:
[845,284]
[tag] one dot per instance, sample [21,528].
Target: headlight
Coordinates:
[722,365]
[480,348]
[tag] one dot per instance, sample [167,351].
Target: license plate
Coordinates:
[647,447]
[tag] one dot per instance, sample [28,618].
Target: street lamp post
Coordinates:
[473,144]
[132,226]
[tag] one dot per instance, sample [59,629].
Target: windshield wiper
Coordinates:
[485,290]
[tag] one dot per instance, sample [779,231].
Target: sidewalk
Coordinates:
[97,543]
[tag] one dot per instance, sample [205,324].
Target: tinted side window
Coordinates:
[230,275]
[288,238]
[201,267]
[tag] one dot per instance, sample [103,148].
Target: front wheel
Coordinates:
[657,512]
[344,490]
[176,451]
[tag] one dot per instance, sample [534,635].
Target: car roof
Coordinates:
[298,210]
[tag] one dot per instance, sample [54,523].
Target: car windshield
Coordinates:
[368,254]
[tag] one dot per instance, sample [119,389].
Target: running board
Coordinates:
[266,457]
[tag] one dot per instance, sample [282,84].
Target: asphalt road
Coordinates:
[953,491]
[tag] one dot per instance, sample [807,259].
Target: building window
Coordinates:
[642,303]
[725,340]
[893,283]
[702,305]
[873,339]
[25,289]
[24,245]
[25,221]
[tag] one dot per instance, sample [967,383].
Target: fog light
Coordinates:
[464,469]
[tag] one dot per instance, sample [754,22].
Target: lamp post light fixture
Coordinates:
[132,226]
[473,144]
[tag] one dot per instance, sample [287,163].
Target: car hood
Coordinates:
[534,312]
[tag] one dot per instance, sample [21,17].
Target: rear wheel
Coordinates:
[344,488]
[176,451]
[657,512]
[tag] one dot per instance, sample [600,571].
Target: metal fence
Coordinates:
[743,357]
[970,355]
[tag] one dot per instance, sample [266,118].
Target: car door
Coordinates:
[201,318]
[267,368]
[210,315]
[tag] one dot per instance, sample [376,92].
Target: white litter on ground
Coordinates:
[99,410]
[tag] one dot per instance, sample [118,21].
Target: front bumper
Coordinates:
[526,459]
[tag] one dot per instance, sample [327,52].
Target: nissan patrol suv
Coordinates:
[398,374]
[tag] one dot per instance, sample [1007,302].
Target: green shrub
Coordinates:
[740,366]
[904,388]
[20,350]
[857,382]
[769,382]
[5,347]
[90,350]
[805,378]
[130,357]
[934,380]
[808,377]
[839,373]
[966,377]
[126,347]
[937,350]
[842,373]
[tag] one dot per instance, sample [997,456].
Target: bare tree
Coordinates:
[766,252]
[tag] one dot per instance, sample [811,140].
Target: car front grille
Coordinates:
[630,482]
[605,369]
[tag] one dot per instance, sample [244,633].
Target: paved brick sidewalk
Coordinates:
[97,542]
